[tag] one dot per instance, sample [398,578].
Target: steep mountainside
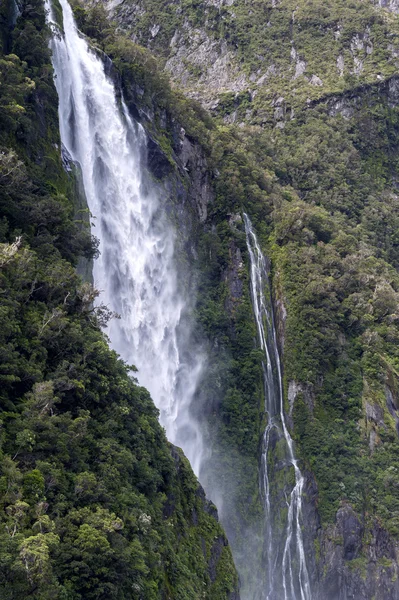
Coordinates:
[321,190]
[265,57]
[94,502]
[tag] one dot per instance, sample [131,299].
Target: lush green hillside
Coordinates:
[94,502]
[321,189]
[265,57]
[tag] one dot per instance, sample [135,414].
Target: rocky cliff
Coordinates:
[248,61]
[313,88]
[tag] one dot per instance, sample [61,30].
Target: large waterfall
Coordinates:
[137,276]
[135,272]
[286,572]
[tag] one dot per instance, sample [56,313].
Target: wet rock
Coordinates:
[349,567]
[66,159]
[312,524]
[233,278]
[158,163]
[195,165]
[349,527]
[392,406]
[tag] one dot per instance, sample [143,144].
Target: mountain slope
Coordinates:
[94,502]
[321,189]
[265,56]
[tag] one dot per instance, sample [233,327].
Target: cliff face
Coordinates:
[94,502]
[214,273]
[247,62]
[314,161]
[319,179]
[356,555]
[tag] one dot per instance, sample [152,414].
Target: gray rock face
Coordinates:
[233,278]
[392,406]
[347,103]
[391,5]
[375,413]
[349,527]
[356,561]
[294,389]
[184,176]
[195,165]
[311,529]
[211,60]
[220,3]
[393,92]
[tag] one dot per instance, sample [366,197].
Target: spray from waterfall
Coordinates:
[136,270]
[286,571]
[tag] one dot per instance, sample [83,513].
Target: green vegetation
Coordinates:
[291,51]
[335,253]
[94,503]
[316,35]
[322,195]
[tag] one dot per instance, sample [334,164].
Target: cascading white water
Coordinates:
[287,575]
[137,276]
[135,272]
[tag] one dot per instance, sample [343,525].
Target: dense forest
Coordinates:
[94,501]
[316,168]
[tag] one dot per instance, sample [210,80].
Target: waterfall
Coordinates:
[137,276]
[286,571]
[136,270]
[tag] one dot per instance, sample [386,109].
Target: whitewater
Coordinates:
[135,271]
[287,575]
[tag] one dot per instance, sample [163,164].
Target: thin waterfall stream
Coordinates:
[286,571]
[136,270]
